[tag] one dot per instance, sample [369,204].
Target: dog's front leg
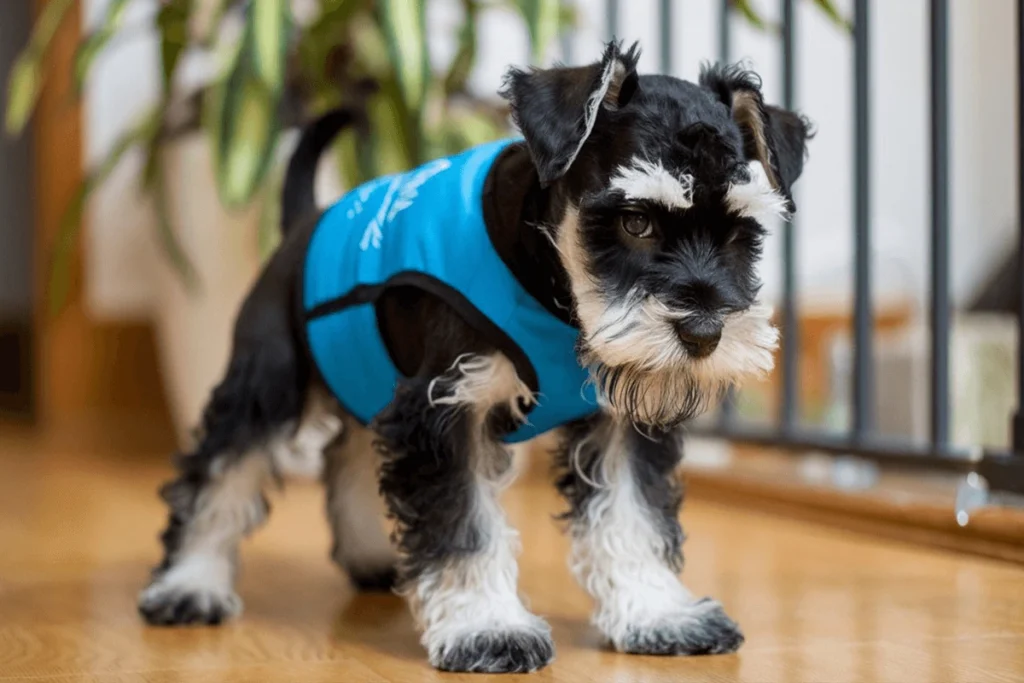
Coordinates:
[627,542]
[443,469]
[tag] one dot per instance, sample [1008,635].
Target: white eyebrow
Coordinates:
[646,180]
[757,198]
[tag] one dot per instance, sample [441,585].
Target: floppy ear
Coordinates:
[774,136]
[555,109]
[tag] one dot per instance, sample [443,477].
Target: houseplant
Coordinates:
[213,155]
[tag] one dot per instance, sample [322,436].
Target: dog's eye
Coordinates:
[637,224]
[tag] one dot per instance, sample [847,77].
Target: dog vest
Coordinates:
[425,227]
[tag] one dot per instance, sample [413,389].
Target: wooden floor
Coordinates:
[78,534]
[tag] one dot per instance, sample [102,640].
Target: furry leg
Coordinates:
[215,502]
[442,472]
[356,510]
[213,505]
[627,542]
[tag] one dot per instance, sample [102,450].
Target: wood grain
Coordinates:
[78,530]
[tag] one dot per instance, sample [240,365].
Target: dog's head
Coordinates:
[664,190]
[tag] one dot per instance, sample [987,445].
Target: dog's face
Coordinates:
[664,190]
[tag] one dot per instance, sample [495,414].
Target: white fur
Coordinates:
[302,453]
[618,556]
[476,594]
[207,577]
[614,69]
[355,506]
[227,510]
[484,382]
[757,199]
[636,336]
[651,181]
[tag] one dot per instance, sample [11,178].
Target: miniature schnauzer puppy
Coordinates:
[596,275]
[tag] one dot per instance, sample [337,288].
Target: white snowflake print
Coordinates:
[393,205]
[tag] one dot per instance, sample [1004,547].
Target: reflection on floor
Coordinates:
[78,535]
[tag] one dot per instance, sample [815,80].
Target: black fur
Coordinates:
[298,199]
[701,259]
[263,389]
[786,132]
[426,476]
[714,634]
[426,479]
[515,651]
[653,459]
[548,105]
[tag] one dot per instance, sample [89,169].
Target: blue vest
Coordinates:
[426,227]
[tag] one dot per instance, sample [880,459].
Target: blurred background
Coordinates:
[139,176]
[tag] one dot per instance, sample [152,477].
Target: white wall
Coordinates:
[983,145]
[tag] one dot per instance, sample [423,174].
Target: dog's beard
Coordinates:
[636,362]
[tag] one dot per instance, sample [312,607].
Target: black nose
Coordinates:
[699,338]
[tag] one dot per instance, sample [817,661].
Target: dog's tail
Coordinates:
[299,196]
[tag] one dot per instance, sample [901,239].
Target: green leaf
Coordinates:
[248,132]
[393,148]
[22,93]
[404,25]
[542,22]
[25,81]
[271,20]
[246,128]
[832,12]
[165,230]
[173,24]
[71,220]
[746,9]
[465,55]
[268,235]
[94,44]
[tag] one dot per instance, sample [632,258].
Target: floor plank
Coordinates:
[78,535]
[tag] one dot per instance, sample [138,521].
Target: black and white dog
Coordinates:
[634,209]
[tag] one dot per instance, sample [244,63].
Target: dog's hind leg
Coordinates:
[627,543]
[356,510]
[253,413]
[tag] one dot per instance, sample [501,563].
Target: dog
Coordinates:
[596,275]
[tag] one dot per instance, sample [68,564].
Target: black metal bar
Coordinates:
[666,33]
[940,223]
[611,17]
[887,452]
[724,31]
[1018,422]
[863,366]
[789,409]
[727,411]
[1003,472]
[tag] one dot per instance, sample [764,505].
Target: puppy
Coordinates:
[597,276]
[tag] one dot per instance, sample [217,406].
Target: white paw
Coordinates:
[169,604]
[701,628]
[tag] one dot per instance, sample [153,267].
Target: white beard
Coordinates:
[640,369]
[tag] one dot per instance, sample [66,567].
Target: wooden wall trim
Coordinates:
[88,372]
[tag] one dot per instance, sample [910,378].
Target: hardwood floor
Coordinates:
[78,535]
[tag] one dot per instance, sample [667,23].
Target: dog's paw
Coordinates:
[163,604]
[513,650]
[702,629]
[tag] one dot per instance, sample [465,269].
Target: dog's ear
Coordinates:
[555,109]
[774,136]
